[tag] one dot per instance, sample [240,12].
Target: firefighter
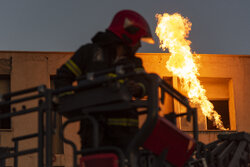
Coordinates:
[116,46]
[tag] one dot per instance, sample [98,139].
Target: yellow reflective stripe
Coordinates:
[123,119]
[122,122]
[121,81]
[139,70]
[143,88]
[66,93]
[73,68]
[112,75]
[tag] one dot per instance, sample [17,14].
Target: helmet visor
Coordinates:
[148,40]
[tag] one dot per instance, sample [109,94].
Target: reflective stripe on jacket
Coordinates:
[71,65]
[123,122]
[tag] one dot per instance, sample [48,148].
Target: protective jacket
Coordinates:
[116,128]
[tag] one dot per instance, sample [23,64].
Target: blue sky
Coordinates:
[218,26]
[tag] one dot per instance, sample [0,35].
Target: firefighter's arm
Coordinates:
[64,77]
[137,85]
[72,69]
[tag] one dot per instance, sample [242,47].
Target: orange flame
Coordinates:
[172,31]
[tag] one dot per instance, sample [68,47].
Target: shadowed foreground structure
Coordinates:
[227,74]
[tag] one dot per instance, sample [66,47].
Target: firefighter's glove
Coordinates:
[135,88]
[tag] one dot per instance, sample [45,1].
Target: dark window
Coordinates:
[220,106]
[5,88]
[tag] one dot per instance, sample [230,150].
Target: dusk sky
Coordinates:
[218,26]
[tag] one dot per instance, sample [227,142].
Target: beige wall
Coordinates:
[30,69]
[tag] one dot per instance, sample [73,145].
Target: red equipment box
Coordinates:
[102,160]
[166,136]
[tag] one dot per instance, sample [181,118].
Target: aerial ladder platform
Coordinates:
[158,143]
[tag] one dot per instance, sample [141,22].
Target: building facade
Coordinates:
[226,79]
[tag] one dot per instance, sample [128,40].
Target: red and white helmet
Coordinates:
[131,27]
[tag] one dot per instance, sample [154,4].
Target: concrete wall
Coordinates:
[30,69]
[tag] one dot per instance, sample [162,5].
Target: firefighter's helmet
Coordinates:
[131,27]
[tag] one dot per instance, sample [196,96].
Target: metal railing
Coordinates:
[151,103]
[47,102]
[39,94]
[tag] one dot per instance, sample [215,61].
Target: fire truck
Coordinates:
[158,143]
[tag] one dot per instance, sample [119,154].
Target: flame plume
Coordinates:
[172,31]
